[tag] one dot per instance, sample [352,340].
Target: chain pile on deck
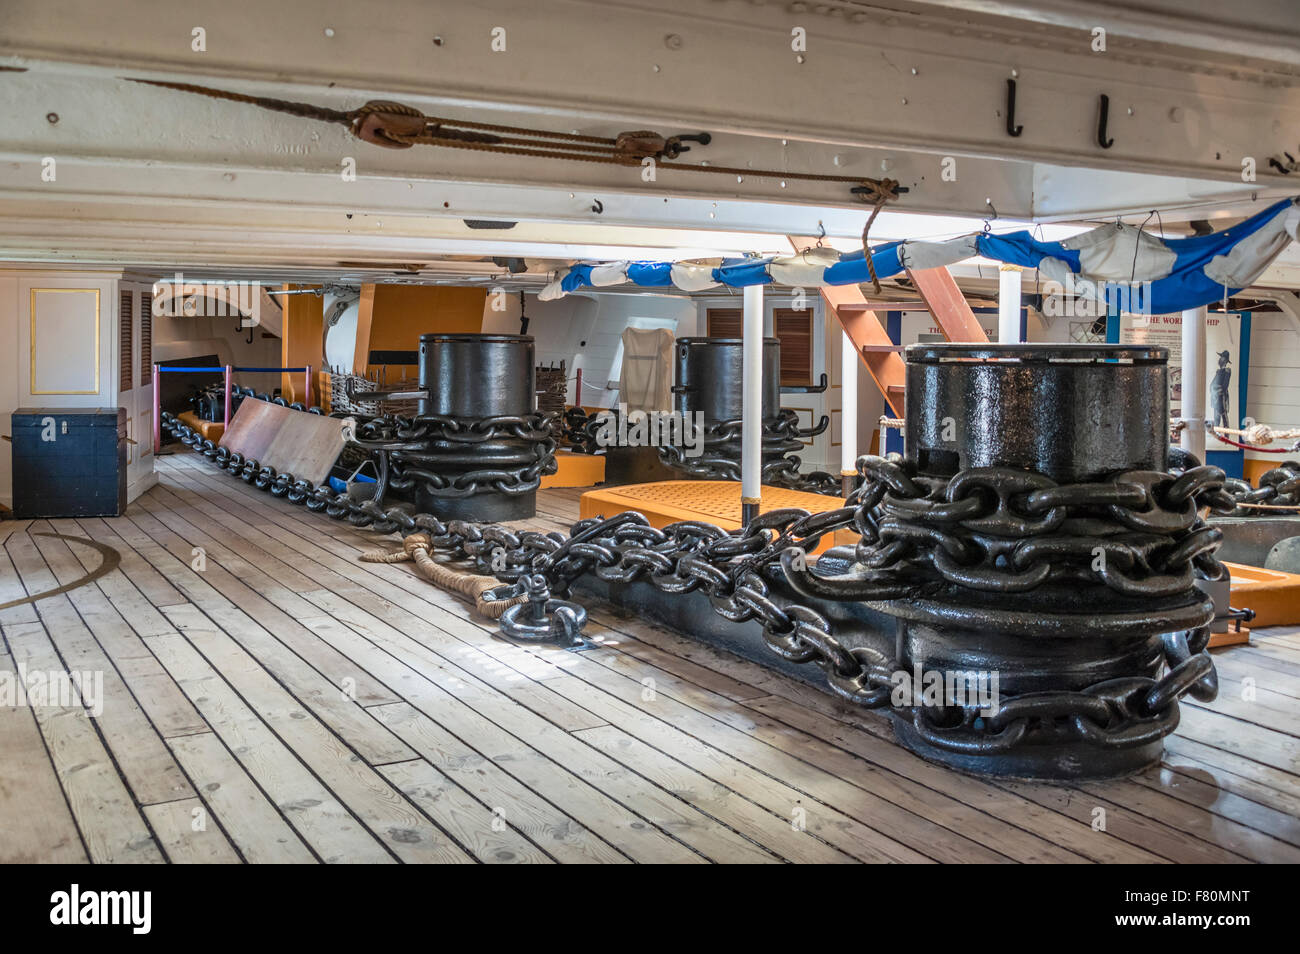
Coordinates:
[709,377]
[1279,488]
[429,452]
[923,542]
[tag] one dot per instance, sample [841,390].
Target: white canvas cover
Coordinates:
[645,382]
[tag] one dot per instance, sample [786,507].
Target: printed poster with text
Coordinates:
[1222,364]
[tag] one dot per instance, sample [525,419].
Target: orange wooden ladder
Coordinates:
[938,294]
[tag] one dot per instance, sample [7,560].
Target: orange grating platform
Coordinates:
[712,501]
[576,470]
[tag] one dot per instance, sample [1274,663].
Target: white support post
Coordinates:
[1009,304]
[848,413]
[1192,438]
[751,434]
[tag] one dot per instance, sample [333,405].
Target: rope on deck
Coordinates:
[416,549]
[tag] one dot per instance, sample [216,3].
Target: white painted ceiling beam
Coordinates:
[870,79]
[1256,29]
[148,132]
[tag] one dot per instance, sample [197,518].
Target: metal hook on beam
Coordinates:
[1012,129]
[1103,120]
[987,226]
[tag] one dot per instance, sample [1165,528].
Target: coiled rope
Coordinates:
[416,549]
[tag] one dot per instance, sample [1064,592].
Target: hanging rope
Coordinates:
[398,126]
[886,186]
[416,549]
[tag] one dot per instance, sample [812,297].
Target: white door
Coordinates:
[135,382]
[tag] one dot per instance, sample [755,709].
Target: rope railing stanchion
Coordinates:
[306,394]
[158,369]
[229,374]
[157,411]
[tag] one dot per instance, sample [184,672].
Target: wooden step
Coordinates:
[855,307]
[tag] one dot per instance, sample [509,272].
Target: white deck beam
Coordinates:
[932,81]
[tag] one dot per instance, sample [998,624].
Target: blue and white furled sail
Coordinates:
[1105,263]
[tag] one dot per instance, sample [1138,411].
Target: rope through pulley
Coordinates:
[395,125]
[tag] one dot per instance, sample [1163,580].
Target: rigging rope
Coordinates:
[398,126]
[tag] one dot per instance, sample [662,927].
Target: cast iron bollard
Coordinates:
[1060,556]
[709,377]
[477,449]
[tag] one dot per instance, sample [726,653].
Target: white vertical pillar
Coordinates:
[751,434]
[848,412]
[1192,438]
[1009,304]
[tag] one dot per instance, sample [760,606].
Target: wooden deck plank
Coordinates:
[252,822]
[309,806]
[221,586]
[335,698]
[487,834]
[1231,772]
[34,815]
[165,706]
[152,585]
[111,825]
[188,835]
[456,745]
[406,831]
[781,835]
[522,806]
[327,590]
[460,683]
[138,750]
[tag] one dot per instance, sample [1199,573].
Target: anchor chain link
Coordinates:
[1279,487]
[412,447]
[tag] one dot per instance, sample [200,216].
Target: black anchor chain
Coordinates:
[1279,487]
[993,529]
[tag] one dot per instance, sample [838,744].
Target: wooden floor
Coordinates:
[269,698]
